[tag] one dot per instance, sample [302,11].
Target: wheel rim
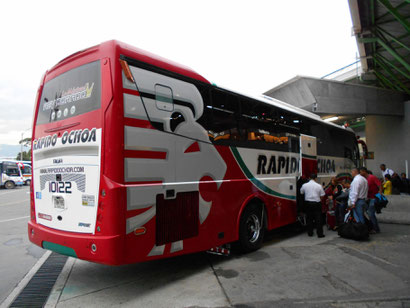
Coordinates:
[253,227]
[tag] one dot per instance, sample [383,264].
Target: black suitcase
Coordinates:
[354,230]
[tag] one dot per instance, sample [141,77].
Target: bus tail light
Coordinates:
[126,70]
[99,216]
[32,206]
[140,231]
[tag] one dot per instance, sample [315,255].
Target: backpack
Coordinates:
[380,202]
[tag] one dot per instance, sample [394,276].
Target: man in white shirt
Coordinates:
[386,170]
[357,196]
[313,207]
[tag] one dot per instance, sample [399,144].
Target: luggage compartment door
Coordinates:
[308,155]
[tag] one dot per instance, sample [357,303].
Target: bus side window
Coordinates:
[12,172]
[163,98]
[224,117]
[348,153]
[260,125]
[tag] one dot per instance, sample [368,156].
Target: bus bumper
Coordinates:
[100,249]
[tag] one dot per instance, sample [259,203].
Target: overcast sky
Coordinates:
[248,46]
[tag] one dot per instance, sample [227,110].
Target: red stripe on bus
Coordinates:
[132,92]
[138,123]
[145,154]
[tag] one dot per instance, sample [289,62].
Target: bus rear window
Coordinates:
[70,94]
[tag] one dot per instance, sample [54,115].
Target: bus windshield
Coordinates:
[26,169]
[71,93]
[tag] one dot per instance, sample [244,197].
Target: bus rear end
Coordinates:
[66,196]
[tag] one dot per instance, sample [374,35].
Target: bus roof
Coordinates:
[288,107]
[7,161]
[121,48]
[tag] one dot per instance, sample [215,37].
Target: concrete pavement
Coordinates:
[291,270]
[17,254]
[397,210]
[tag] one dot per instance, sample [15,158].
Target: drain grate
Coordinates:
[38,289]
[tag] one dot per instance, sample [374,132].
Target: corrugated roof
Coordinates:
[382,29]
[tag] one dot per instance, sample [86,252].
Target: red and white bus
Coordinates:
[137,158]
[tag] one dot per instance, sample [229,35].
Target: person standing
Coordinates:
[386,170]
[313,192]
[396,184]
[358,195]
[332,192]
[374,188]
[387,186]
[406,184]
[341,203]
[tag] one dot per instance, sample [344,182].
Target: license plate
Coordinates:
[59,202]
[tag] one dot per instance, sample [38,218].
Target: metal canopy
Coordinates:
[382,30]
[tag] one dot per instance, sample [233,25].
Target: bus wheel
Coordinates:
[28,182]
[9,185]
[251,229]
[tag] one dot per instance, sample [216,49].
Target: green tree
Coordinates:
[26,155]
[26,142]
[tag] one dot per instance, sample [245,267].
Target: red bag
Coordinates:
[330,220]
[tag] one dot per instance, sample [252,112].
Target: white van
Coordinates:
[10,175]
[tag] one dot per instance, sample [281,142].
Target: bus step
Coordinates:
[224,250]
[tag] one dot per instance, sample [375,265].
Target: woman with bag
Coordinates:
[341,203]
[332,192]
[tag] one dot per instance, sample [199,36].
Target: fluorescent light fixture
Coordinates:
[331,119]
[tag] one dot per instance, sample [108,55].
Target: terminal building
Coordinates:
[372,95]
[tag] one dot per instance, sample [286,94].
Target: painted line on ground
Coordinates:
[14,219]
[7,302]
[17,202]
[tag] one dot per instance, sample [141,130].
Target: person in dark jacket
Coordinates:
[396,183]
[341,203]
[405,184]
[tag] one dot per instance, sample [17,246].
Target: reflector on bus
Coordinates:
[126,70]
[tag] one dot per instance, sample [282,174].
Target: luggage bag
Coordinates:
[330,220]
[351,229]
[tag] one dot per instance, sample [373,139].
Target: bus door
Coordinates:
[308,155]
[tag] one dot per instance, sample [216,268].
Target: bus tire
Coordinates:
[9,185]
[27,183]
[251,228]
